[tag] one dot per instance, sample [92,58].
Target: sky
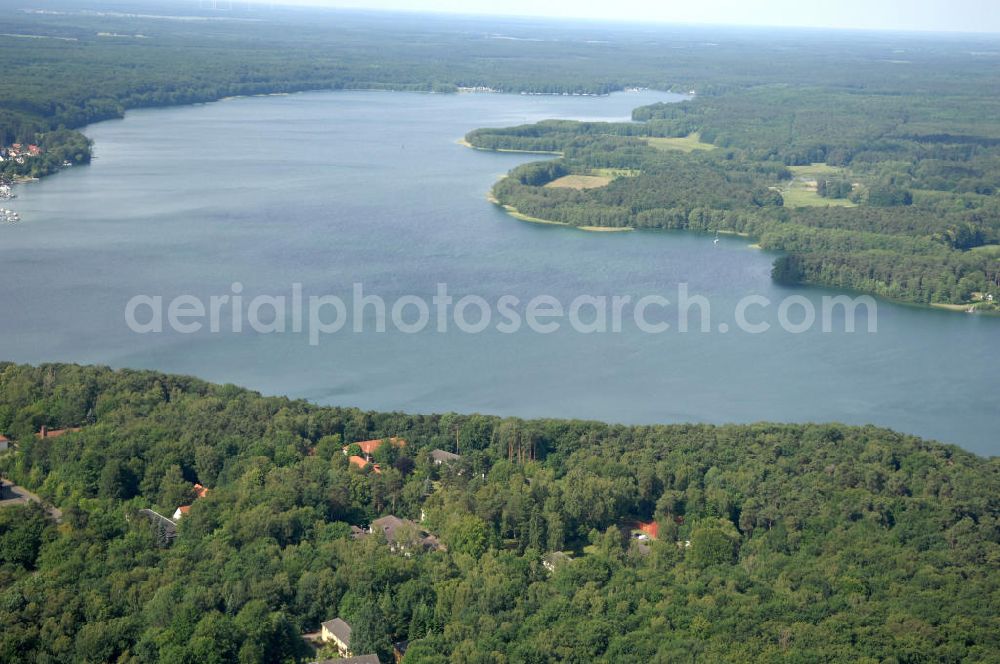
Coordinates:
[919,15]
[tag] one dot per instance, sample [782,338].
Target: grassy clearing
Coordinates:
[813,171]
[987,250]
[580,182]
[688,143]
[801,191]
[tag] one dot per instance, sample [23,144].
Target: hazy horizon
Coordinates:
[890,15]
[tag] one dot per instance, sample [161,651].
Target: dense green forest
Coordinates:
[890,193]
[777,543]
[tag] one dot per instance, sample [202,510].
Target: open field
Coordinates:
[688,143]
[580,182]
[801,191]
[813,171]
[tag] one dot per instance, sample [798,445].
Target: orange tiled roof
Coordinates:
[361,462]
[184,509]
[369,446]
[200,491]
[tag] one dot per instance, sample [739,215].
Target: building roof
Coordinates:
[361,659]
[339,629]
[651,528]
[440,456]
[200,491]
[388,525]
[4,439]
[362,462]
[369,446]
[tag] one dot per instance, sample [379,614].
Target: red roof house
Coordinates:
[652,529]
[362,462]
[368,447]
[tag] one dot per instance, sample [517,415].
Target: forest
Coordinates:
[776,542]
[895,194]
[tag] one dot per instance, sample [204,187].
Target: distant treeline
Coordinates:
[74,64]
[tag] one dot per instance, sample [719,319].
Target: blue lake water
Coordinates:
[330,189]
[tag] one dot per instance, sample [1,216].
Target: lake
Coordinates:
[337,188]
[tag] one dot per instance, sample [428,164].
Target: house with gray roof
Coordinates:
[440,456]
[337,632]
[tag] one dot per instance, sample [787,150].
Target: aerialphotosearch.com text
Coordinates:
[361,312]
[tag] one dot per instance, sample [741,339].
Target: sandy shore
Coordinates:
[514,212]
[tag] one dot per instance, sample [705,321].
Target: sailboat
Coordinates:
[716,240]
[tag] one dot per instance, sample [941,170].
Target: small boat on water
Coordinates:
[716,240]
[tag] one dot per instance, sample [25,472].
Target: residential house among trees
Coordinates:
[199,492]
[337,632]
[366,449]
[440,456]
[405,535]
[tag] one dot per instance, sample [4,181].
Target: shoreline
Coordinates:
[520,216]
[261,94]
[466,144]
[964,308]
[941,306]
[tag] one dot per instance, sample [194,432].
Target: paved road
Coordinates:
[24,496]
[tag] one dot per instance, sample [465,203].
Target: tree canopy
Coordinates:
[816,542]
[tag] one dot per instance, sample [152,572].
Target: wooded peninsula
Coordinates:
[890,192]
